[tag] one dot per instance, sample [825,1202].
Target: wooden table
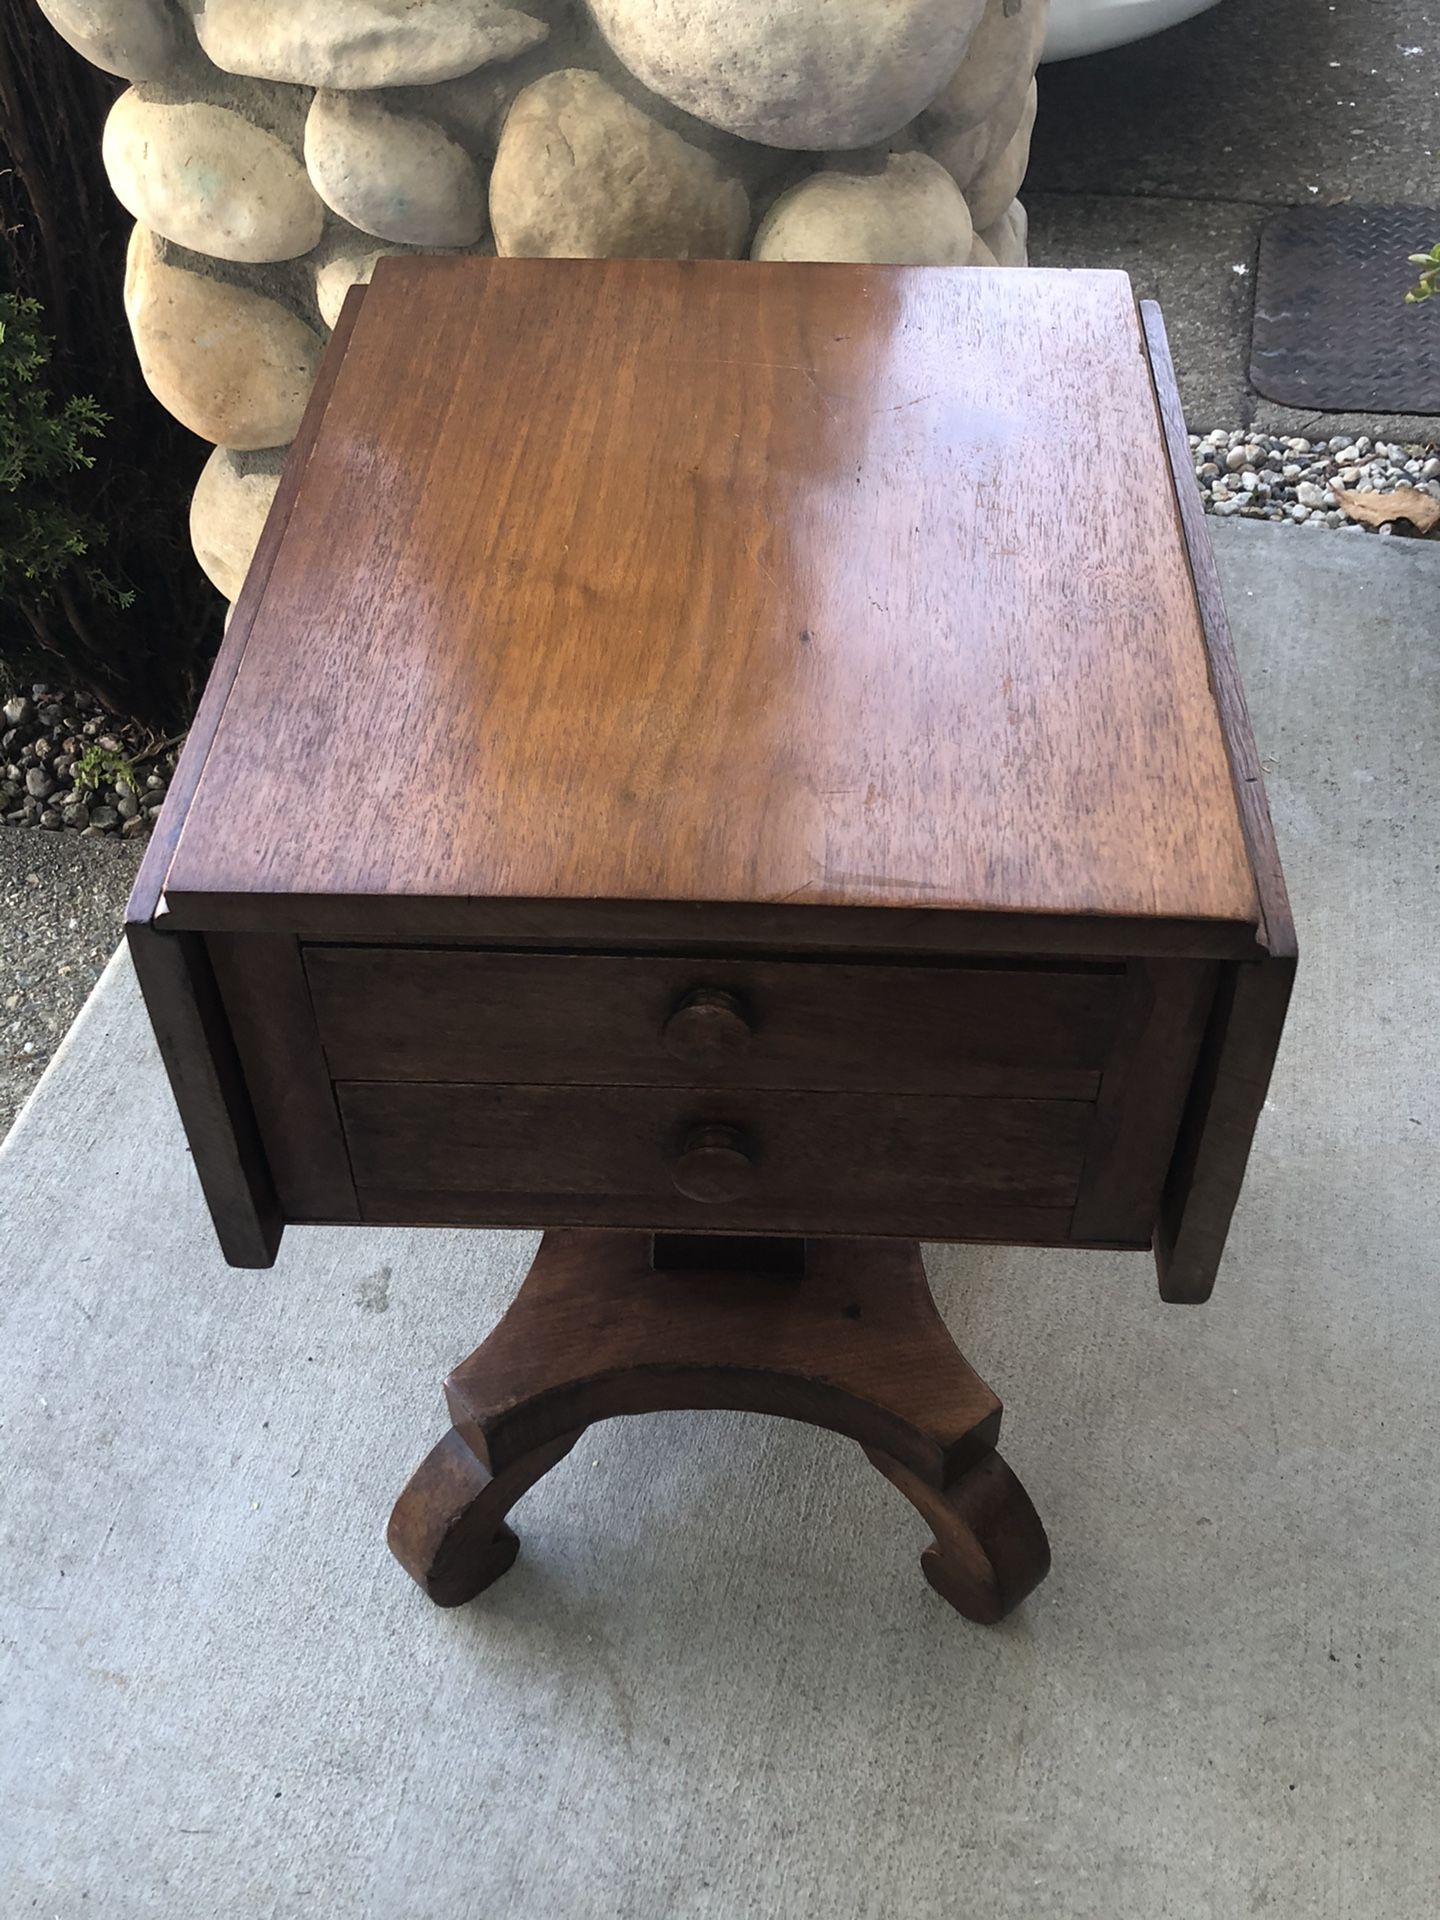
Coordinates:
[686,771]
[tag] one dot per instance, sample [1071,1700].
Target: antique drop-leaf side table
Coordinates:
[810,834]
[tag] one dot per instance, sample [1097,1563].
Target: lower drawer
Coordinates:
[679,1158]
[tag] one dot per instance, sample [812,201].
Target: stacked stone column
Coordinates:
[271,151]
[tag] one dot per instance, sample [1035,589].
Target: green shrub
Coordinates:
[1428,284]
[100,767]
[99,591]
[47,538]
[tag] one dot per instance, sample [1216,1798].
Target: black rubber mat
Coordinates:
[1332,331]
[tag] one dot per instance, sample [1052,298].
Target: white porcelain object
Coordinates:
[1089,26]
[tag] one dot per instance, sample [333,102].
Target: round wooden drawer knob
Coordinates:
[714,1166]
[707,1028]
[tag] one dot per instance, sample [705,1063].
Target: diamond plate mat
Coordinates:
[1332,331]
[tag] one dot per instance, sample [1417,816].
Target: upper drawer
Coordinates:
[594,1020]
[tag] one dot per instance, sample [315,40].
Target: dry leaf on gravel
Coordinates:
[1422,510]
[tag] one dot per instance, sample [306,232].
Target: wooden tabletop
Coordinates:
[718,581]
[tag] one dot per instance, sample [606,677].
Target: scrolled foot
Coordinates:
[990,1548]
[448,1527]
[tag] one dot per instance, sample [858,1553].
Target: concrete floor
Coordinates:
[715,1684]
[1166,158]
[62,903]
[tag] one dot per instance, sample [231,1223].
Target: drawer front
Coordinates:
[585,1020]
[689,1158]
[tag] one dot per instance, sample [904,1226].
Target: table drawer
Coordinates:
[689,1157]
[416,1014]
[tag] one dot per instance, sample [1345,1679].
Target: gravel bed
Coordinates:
[62,904]
[66,766]
[78,793]
[1261,477]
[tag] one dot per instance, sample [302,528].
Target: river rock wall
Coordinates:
[271,151]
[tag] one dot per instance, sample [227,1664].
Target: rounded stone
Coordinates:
[353,268]
[231,365]
[473,108]
[138,39]
[908,213]
[1007,238]
[812,74]
[362,43]
[395,175]
[965,152]
[997,184]
[208,179]
[227,513]
[980,254]
[582,174]
[1006,44]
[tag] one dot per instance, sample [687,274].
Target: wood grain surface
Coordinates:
[724,582]
[1277,925]
[208,1082]
[145,895]
[1242,1039]
[640,926]
[1142,1096]
[851,1342]
[262,984]
[173,967]
[577,1019]
[612,1156]
[596,1330]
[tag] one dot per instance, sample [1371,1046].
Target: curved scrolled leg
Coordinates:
[848,1338]
[989,1549]
[448,1528]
